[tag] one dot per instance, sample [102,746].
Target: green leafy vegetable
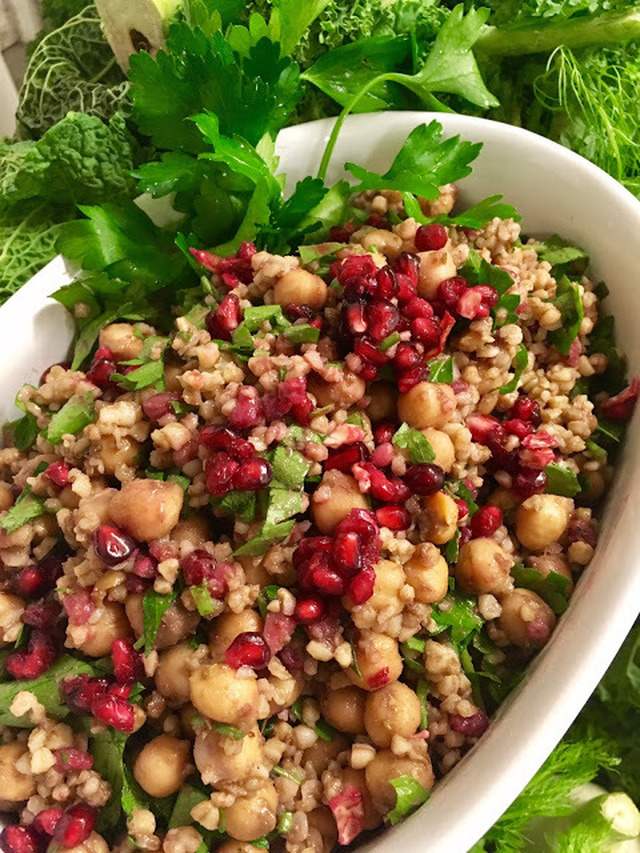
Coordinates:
[25,431]
[409,795]
[240,504]
[107,749]
[558,252]
[302,334]
[441,371]
[26,508]
[569,303]
[561,480]
[458,614]
[554,588]
[289,467]
[73,417]
[151,373]
[416,444]
[46,689]
[154,606]
[520,364]
[205,603]
[268,535]
[187,799]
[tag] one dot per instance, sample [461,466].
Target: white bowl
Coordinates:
[555,191]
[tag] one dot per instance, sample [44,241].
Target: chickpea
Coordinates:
[357,778]
[427,404]
[221,759]
[11,610]
[323,751]
[218,693]
[442,446]
[541,520]
[254,815]
[147,509]
[344,393]
[115,455]
[593,488]
[547,563]
[323,832]
[112,624]
[384,399]
[378,660]
[387,766]
[483,566]
[504,499]
[441,516]
[394,709]
[122,340]
[194,530]
[344,709]
[386,242]
[526,620]
[300,287]
[162,765]
[188,716]
[15,786]
[93,844]
[225,628]
[255,571]
[435,267]
[233,846]
[177,622]
[6,497]
[334,499]
[172,673]
[428,573]
[285,692]
[386,589]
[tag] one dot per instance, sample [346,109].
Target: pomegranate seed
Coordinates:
[42,615]
[369,352]
[489,295]
[159,406]
[379,679]
[292,657]
[308,609]
[31,582]
[220,470]
[135,584]
[427,330]
[526,409]
[71,759]
[82,691]
[514,426]
[253,475]
[470,305]
[355,318]
[383,319]
[431,237]
[425,478]
[406,356]
[58,473]
[248,409]
[225,319]
[382,456]
[327,580]
[383,433]
[529,481]
[417,307]
[407,269]
[501,458]
[114,711]
[100,372]
[127,663]
[248,649]
[341,234]
[45,822]
[383,488]
[472,726]
[450,291]
[620,407]
[408,379]
[343,458]
[36,660]
[113,545]
[20,839]
[361,586]
[298,312]
[197,567]
[463,509]
[480,426]
[346,553]
[393,517]
[578,530]
[122,691]
[225,439]
[387,283]
[360,521]
[145,566]
[75,825]
[486,521]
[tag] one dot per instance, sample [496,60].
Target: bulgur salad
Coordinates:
[272,558]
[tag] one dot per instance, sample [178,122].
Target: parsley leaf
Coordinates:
[520,363]
[26,508]
[554,588]
[302,334]
[25,431]
[441,371]
[417,444]
[240,504]
[206,605]
[73,417]
[46,689]
[561,480]
[558,252]
[265,538]
[409,795]
[460,617]
[151,373]
[569,303]
[289,467]
[154,606]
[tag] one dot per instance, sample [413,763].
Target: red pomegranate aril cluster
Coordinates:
[384,488]
[290,399]
[45,822]
[58,473]
[529,481]
[384,432]
[72,759]
[101,368]
[33,662]
[431,237]
[159,406]
[344,458]
[113,545]
[526,409]
[486,521]
[35,581]
[248,649]
[461,300]
[101,698]
[127,662]
[308,610]
[234,465]
[222,322]
[75,825]
[234,269]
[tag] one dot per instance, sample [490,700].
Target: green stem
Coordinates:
[606,29]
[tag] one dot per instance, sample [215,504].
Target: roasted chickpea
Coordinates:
[323,832]
[194,530]
[11,610]
[94,844]
[177,622]
[6,497]
[427,572]
[324,751]
[386,589]
[348,390]
[122,340]
[253,816]
[441,517]
[427,404]
[344,709]
[300,287]
[526,620]
[378,659]
[222,759]
[547,563]
[334,499]
[386,766]
[357,778]
[394,709]
[112,624]
[15,786]
[147,509]
[383,241]
[442,446]
[172,673]
[218,693]
[541,520]
[115,455]
[163,765]
[384,399]
[225,628]
[483,566]
[435,267]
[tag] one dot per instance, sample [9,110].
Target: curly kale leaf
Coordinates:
[72,68]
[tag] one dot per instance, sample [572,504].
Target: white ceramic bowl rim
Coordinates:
[557,191]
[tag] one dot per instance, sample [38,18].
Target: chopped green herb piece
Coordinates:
[74,416]
[354,661]
[154,606]
[285,823]
[416,644]
[151,373]
[441,371]
[25,431]
[289,467]
[554,588]
[282,504]
[289,774]
[613,430]
[415,443]
[26,508]
[457,613]
[46,689]
[302,334]
[520,364]
[422,689]
[205,603]
[240,504]
[561,480]
[265,538]
[409,795]
[558,252]
[389,341]
[188,797]
[452,549]
[325,731]
[228,731]
[355,418]
[569,303]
